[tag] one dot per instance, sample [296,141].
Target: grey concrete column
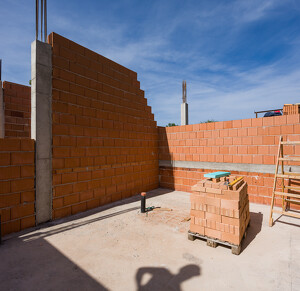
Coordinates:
[2,114]
[41,126]
[184,114]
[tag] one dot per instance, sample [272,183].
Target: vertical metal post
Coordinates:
[42,9]
[36,19]
[45,20]
[0,231]
[0,69]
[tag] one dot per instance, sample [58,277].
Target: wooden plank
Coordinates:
[291,214]
[296,177]
[290,159]
[290,142]
[215,175]
[287,194]
[292,188]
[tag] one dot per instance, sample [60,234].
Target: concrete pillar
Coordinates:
[184,114]
[41,126]
[2,113]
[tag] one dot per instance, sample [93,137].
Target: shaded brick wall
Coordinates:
[104,134]
[17,194]
[247,141]
[17,104]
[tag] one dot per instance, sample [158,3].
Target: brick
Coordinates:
[71,199]
[10,145]
[22,211]
[28,196]
[231,238]
[213,201]
[27,144]
[62,212]
[4,159]
[9,173]
[230,204]
[197,229]
[197,213]
[4,187]
[68,178]
[27,222]
[231,221]
[11,226]
[22,185]
[27,171]
[212,216]
[5,215]
[9,200]
[63,190]
[79,208]
[212,233]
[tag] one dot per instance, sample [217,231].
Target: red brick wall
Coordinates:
[17,193]
[248,141]
[104,134]
[17,104]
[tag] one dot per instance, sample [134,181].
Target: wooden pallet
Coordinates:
[213,242]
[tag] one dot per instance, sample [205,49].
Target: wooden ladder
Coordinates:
[293,198]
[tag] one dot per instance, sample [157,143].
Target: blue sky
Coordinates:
[236,56]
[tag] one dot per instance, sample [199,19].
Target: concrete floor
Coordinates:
[117,248]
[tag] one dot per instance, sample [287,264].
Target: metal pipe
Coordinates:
[42,2]
[36,19]
[45,20]
[0,231]
[143,202]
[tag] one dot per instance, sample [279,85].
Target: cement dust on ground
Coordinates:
[118,248]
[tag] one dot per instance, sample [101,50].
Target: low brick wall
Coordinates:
[17,194]
[227,146]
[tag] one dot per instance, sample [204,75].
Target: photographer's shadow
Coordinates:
[163,279]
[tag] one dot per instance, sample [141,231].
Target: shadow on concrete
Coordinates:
[79,216]
[163,279]
[37,265]
[253,229]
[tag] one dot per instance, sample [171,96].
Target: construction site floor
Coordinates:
[115,247]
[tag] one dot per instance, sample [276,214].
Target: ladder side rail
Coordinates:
[275,181]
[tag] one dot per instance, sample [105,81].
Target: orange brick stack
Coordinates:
[219,212]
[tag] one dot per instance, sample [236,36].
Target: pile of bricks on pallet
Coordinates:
[219,211]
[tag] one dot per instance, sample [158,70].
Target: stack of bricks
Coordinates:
[289,109]
[219,211]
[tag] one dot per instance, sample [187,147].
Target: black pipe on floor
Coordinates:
[143,202]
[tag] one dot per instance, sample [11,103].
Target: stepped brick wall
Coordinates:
[105,144]
[17,106]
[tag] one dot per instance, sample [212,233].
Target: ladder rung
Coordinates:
[290,142]
[287,194]
[288,176]
[286,213]
[292,188]
[290,159]
[292,201]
